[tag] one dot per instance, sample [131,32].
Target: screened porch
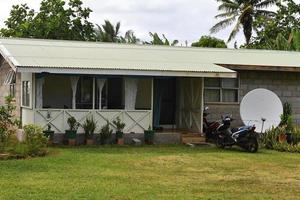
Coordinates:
[57,97]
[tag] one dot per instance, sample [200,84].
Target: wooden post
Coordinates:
[152,100]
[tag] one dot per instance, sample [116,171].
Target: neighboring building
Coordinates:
[147,86]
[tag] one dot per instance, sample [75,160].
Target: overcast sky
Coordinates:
[177,19]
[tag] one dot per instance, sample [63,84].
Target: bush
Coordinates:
[34,139]
[73,124]
[270,140]
[8,123]
[105,133]
[89,127]
[287,147]
[270,137]
[119,125]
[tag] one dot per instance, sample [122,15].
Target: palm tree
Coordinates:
[130,38]
[108,32]
[292,43]
[156,40]
[243,13]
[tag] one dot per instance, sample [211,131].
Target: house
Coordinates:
[146,86]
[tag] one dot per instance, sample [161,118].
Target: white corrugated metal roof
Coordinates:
[56,54]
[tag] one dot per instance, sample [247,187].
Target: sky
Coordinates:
[185,20]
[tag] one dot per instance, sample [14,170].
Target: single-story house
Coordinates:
[146,86]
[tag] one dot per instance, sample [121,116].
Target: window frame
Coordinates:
[29,93]
[221,88]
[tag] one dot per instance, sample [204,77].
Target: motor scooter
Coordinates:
[244,137]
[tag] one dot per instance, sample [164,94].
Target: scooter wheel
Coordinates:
[252,145]
[219,143]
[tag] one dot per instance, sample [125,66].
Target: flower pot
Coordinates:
[72,142]
[49,134]
[120,141]
[89,142]
[71,134]
[119,134]
[149,136]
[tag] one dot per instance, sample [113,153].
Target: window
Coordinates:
[10,80]
[221,90]
[26,93]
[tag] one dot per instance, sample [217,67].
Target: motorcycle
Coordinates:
[244,137]
[209,128]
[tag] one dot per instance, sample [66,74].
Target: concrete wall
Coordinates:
[159,138]
[285,84]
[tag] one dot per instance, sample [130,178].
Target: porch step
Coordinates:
[192,138]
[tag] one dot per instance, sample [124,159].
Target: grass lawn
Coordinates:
[166,172]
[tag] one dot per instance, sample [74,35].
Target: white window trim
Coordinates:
[30,93]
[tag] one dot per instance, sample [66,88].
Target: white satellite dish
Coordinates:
[261,104]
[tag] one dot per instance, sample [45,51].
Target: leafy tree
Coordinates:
[242,13]
[156,40]
[290,43]
[208,41]
[287,18]
[57,19]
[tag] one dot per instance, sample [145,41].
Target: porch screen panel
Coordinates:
[131,86]
[190,105]
[39,92]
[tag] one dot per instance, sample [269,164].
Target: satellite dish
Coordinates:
[262,108]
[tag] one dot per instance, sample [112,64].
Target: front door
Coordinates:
[164,102]
[190,104]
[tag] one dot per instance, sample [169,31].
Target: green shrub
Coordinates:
[119,125]
[285,147]
[296,136]
[73,124]
[286,117]
[89,127]
[105,133]
[7,123]
[270,137]
[34,139]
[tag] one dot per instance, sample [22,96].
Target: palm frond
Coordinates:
[265,4]
[226,14]
[222,24]
[234,31]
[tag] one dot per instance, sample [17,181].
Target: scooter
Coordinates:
[209,128]
[244,137]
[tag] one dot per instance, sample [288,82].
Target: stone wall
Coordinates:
[285,84]
[4,89]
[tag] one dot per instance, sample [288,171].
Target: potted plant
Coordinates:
[49,134]
[89,127]
[105,133]
[149,136]
[71,133]
[119,133]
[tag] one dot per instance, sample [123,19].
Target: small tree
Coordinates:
[8,122]
[105,133]
[208,41]
[286,117]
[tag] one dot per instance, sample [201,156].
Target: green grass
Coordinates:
[166,172]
